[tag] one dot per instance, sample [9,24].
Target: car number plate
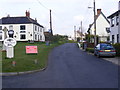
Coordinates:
[107,50]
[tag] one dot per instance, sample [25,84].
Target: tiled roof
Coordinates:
[97,18]
[19,20]
[114,14]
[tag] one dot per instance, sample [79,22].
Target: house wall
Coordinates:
[29,32]
[38,33]
[114,30]
[119,25]
[101,25]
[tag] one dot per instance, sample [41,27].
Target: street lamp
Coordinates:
[95,38]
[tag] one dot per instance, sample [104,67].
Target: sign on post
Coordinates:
[10,43]
[31,50]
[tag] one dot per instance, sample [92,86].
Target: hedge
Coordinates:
[91,50]
[117,48]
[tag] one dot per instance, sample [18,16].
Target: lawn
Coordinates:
[26,62]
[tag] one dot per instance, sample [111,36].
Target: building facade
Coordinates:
[115,26]
[25,28]
[102,24]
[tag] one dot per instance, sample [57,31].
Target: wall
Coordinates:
[114,31]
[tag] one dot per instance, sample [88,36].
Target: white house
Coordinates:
[115,26]
[79,35]
[25,28]
[102,24]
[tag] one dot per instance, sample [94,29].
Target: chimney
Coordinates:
[98,11]
[27,13]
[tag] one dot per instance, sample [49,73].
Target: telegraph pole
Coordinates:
[75,33]
[81,30]
[51,22]
[95,38]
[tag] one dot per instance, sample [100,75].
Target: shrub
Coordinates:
[91,50]
[117,48]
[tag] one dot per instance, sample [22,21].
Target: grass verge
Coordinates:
[25,62]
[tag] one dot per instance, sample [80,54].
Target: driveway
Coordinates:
[69,67]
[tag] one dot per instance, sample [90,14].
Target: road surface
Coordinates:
[69,67]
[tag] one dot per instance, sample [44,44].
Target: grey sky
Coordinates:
[65,13]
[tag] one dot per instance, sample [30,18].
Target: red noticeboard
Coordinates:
[31,49]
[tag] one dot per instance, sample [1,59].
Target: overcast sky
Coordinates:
[65,13]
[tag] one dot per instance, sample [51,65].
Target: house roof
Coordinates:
[97,18]
[19,20]
[114,14]
[0,21]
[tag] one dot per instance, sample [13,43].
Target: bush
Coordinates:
[117,48]
[91,50]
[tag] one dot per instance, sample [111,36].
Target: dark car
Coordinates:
[104,49]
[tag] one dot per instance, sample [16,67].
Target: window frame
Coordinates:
[21,37]
[22,26]
[112,22]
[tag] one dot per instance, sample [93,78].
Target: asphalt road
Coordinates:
[69,67]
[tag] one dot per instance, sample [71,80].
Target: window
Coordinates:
[117,38]
[0,27]
[40,37]
[35,37]
[113,39]
[35,28]
[98,46]
[22,36]
[40,29]
[108,30]
[22,27]
[112,22]
[117,20]
[0,35]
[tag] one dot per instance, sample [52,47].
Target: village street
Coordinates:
[69,67]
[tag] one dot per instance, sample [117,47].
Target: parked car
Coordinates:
[104,49]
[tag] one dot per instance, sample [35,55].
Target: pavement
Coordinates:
[68,67]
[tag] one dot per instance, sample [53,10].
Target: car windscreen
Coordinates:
[106,47]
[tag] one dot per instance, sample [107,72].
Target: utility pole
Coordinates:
[95,38]
[81,31]
[75,33]
[51,22]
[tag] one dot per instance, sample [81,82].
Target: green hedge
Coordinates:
[91,50]
[117,47]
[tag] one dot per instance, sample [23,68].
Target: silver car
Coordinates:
[104,49]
